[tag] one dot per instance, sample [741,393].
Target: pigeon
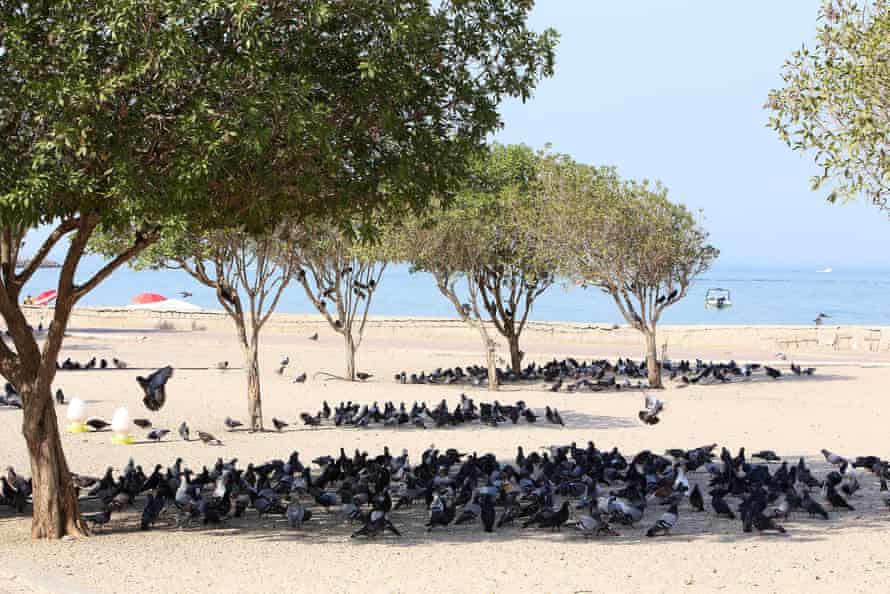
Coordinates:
[222,365]
[833,458]
[314,336]
[664,524]
[300,378]
[362,376]
[768,455]
[696,500]
[118,363]
[297,514]
[154,505]
[721,507]
[594,525]
[60,396]
[155,389]
[812,507]
[99,519]
[653,407]
[764,523]
[184,431]
[772,372]
[157,434]
[232,424]
[836,500]
[185,294]
[142,423]
[208,438]
[97,424]
[279,425]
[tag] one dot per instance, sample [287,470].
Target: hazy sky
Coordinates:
[674,91]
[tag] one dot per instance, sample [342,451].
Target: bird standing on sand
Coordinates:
[208,438]
[665,523]
[157,434]
[314,336]
[142,423]
[184,431]
[232,424]
[279,425]
[97,424]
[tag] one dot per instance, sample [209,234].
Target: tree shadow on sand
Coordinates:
[330,527]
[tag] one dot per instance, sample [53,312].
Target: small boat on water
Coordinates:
[826,270]
[717,298]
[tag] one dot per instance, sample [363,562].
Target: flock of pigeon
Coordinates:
[571,375]
[421,416]
[597,492]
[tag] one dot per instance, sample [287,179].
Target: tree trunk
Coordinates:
[515,354]
[350,356]
[653,366]
[56,512]
[492,365]
[254,397]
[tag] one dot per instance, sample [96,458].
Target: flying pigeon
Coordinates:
[653,407]
[154,387]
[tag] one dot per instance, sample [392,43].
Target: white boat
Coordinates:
[718,298]
[827,270]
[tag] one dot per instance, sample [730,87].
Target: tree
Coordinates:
[248,272]
[341,267]
[835,103]
[637,246]
[131,116]
[485,248]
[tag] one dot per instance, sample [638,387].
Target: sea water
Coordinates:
[766,296]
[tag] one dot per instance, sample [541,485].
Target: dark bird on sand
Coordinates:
[97,424]
[142,423]
[764,523]
[812,507]
[184,431]
[696,500]
[722,508]
[772,372]
[60,396]
[279,424]
[155,388]
[208,438]
[768,455]
[299,379]
[314,336]
[99,519]
[232,424]
[836,500]
[665,523]
[157,434]
[361,375]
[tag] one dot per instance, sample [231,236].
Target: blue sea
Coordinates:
[758,296]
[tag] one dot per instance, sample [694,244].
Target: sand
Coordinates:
[842,408]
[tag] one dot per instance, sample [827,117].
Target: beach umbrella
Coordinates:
[45,298]
[148,298]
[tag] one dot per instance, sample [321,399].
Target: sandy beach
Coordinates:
[840,408]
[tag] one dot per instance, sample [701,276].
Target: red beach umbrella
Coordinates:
[45,298]
[148,298]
